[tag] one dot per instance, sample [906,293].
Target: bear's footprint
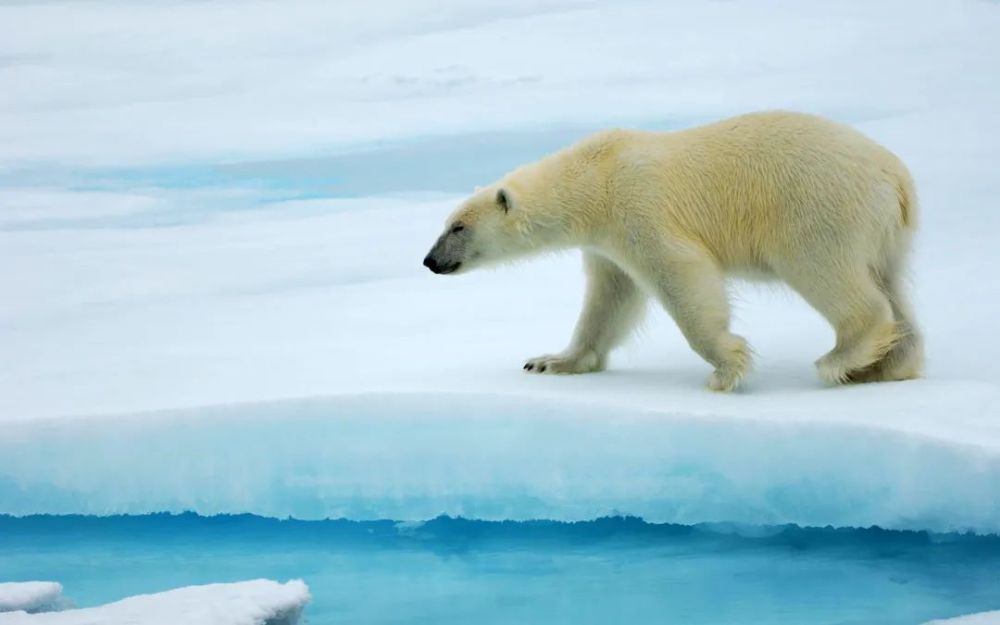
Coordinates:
[565,363]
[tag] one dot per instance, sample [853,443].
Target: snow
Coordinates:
[212,231]
[144,83]
[983,618]
[29,596]
[255,602]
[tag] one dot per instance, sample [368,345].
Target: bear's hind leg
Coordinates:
[612,308]
[692,288]
[861,315]
[905,360]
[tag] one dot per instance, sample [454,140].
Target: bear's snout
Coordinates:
[449,251]
[432,263]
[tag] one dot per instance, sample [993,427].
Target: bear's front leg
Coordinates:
[692,289]
[612,307]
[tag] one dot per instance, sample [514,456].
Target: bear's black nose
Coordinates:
[431,264]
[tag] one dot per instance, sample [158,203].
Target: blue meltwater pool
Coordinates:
[447,570]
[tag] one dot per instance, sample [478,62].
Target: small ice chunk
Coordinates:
[255,602]
[29,596]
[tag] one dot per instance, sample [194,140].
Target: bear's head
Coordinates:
[498,223]
[474,234]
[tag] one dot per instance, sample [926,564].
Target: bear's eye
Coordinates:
[503,201]
[458,228]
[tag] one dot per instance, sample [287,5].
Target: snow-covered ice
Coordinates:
[212,228]
[413,402]
[983,618]
[30,596]
[412,457]
[146,83]
[255,602]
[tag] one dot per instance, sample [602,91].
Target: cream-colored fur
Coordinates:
[670,215]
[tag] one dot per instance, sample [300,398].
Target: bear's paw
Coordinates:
[566,363]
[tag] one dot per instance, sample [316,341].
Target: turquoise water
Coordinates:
[615,570]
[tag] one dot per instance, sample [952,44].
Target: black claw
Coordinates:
[529,366]
[526,366]
[541,369]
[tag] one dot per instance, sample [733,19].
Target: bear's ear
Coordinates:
[503,200]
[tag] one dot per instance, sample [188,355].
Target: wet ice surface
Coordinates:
[456,571]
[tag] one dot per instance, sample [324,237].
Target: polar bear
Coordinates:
[771,195]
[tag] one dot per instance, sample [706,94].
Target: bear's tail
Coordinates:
[906,193]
